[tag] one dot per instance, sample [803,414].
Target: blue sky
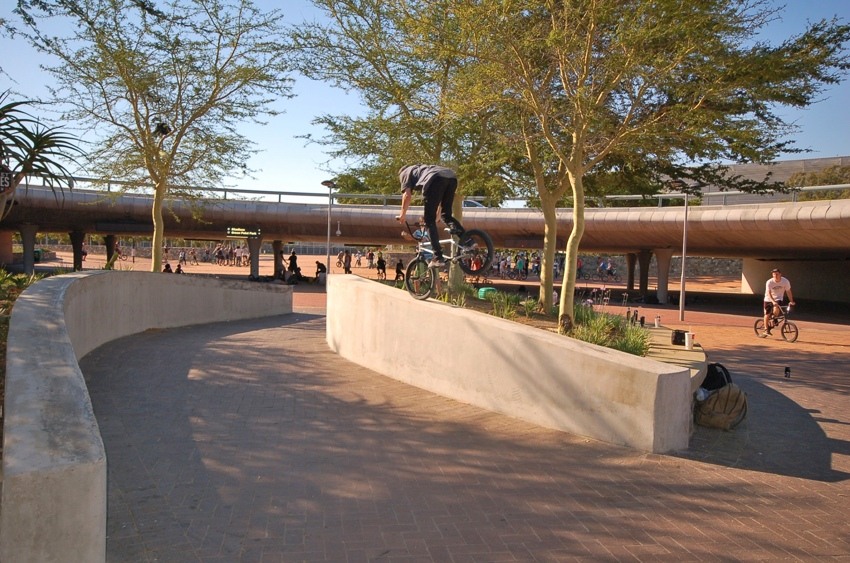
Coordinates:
[287,164]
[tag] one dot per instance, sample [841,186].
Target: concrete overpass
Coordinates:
[809,240]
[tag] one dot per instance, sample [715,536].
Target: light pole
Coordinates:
[680,184]
[330,185]
[684,257]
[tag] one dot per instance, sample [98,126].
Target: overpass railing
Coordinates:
[707,198]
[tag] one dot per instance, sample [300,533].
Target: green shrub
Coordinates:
[504,304]
[610,331]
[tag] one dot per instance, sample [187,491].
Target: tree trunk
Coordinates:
[158,228]
[567,304]
[547,263]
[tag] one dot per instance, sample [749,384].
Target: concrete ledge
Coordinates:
[53,505]
[503,366]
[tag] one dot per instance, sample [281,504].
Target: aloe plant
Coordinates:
[28,148]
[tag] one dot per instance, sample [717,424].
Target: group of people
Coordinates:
[229,255]
[438,186]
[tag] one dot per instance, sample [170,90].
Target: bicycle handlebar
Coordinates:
[412,234]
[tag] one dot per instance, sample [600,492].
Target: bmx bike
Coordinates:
[788,329]
[472,251]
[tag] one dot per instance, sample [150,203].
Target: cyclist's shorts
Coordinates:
[768,306]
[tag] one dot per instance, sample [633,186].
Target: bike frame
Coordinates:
[425,248]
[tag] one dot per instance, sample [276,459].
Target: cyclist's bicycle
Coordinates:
[472,251]
[788,329]
[611,275]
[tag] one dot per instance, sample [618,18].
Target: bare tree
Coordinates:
[161,87]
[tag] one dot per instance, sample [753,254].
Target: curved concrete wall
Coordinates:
[53,505]
[506,367]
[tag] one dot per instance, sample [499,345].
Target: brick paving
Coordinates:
[251,441]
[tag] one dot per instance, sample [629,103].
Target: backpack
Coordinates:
[717,376]
[725,408]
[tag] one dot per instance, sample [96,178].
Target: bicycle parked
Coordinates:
[472,251]
[788,329]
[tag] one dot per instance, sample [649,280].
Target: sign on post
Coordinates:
[243,232]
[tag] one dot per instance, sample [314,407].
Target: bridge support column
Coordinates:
[254,245]
[644,257]
[277,248]
[77,240]
[631,260]
[28,232]
[663,257]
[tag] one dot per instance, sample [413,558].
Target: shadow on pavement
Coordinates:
[779,435]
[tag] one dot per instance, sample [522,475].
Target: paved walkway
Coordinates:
[251,441]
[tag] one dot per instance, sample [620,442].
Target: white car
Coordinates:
[472,203]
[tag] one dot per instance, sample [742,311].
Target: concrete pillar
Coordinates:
[663,257]
[6,254]
[810,279]
[28,232]
[631,259]
[277,248]
[254,244]
[644,257]
[77,240]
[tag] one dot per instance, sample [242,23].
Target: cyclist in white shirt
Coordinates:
[775,290]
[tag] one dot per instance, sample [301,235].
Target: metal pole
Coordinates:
[684,257]
[330,185]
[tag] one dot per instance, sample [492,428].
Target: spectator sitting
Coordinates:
[167,269]
[179,269]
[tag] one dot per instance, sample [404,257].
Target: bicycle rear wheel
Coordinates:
[420,281]
[789,331]
[475,250]
[759,327]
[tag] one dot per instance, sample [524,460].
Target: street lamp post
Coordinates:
[684,257]
[679,185]
[330,185]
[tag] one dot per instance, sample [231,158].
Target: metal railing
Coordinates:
[387,199]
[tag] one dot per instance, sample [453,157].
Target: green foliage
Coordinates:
[504,304]
[30,148]
[530,306]
[165,93]
[611,331]
[408,86]
[11,286]
[833,175]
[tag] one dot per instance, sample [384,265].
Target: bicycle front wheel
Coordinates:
[475,250]
[759,327]
[420,281]
[789,331]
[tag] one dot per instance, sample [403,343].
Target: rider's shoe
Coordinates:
[764,334]
[455,229]
[437,262]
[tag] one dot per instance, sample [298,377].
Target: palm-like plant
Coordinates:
[27,148]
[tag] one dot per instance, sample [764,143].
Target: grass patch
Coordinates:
[610,331]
